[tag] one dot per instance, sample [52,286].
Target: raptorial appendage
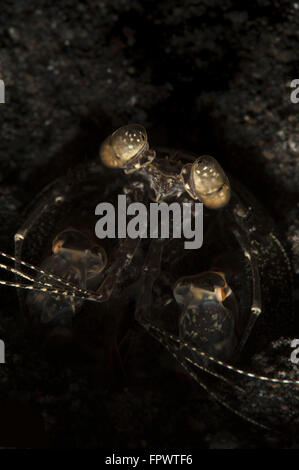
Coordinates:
[209,313]
[74,260]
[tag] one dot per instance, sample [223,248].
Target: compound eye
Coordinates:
[124,146]
[209,182]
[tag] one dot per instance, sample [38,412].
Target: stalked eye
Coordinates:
[125,146]
[209,182]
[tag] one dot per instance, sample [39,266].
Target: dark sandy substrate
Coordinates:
[210,77]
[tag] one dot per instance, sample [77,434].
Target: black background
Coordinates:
[211,77]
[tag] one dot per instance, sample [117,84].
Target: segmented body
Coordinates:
[241,241]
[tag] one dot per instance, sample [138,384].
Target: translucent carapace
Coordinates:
[212,308]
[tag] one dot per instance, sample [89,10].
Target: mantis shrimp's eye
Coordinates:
[125,147]
[209,182]
[209,313]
